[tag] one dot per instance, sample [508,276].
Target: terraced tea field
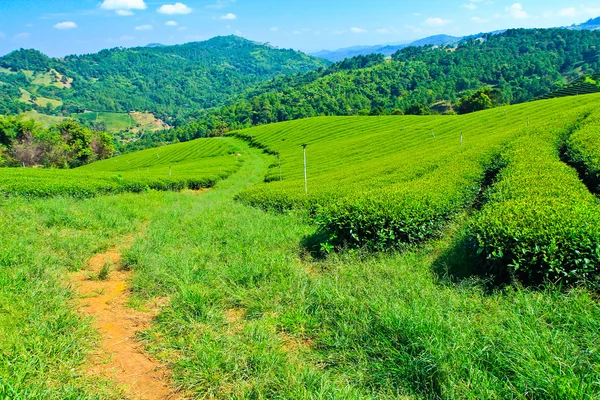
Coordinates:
[197,164]
[389,181]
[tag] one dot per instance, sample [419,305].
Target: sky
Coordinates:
[62,27]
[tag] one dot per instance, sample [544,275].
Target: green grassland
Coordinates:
[27,97]
[113,121]
[252,311]
[44,120]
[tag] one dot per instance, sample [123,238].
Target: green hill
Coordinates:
[169,81]
[520,64]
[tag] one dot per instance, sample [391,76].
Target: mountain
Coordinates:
[511,67]
[437,40]
[387,50]
[170,81]
[591,24]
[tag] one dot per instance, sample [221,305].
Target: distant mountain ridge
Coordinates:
[592,24]
[436,40]
[387,50]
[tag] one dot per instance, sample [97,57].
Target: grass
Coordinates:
[113,121]
[41,101]
[45,120]
[118,122]
[251,313]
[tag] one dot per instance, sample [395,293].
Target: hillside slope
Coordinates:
[519,65]
[170,81]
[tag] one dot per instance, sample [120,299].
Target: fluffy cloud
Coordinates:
[177,8]
[568,12]
[143,28]
[66,25]
[123,5]
[470,6]
[124,13]
[274,29]
[171,23]
[358,30]
[480,20]
[23,35]
[228,16]
[516,11]
[436,22]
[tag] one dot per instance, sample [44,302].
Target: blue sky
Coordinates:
[61,27]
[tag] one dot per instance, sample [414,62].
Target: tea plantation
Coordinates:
[386,182]
[433,257]
[194,165]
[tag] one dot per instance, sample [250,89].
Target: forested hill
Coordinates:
[517,65]
[170,81]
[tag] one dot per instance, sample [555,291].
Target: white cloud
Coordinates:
[568,12]
[177,8]
[171,23]
[228,16]
[274,29]
[126,38]
[382,30]
[238,33]
[143,28]
[23,35]
[124,13]
[358,30]
[592,11]
[413,28]
[516,11]
[227,26]
[66,25]
[183,28]
[123,5]
[479,20]
[470,6]
[221,4]
[436,21]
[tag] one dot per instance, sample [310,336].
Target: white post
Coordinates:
[305,176]
[461,139]
[279,160]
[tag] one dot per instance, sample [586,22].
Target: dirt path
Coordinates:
[120,356]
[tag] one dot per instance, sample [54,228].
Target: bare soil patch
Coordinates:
[120,357]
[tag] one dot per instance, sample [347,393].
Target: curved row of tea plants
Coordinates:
[384,181]
[583,150]
[540,222]
[194,165]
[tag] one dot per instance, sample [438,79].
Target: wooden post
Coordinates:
[305,175]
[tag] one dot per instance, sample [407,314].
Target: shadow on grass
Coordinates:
[459,263]
[313,245]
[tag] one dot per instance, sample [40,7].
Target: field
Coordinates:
[194,165]
[45,120]
[113,121]
[116,122]
[434,257]
[26,97]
